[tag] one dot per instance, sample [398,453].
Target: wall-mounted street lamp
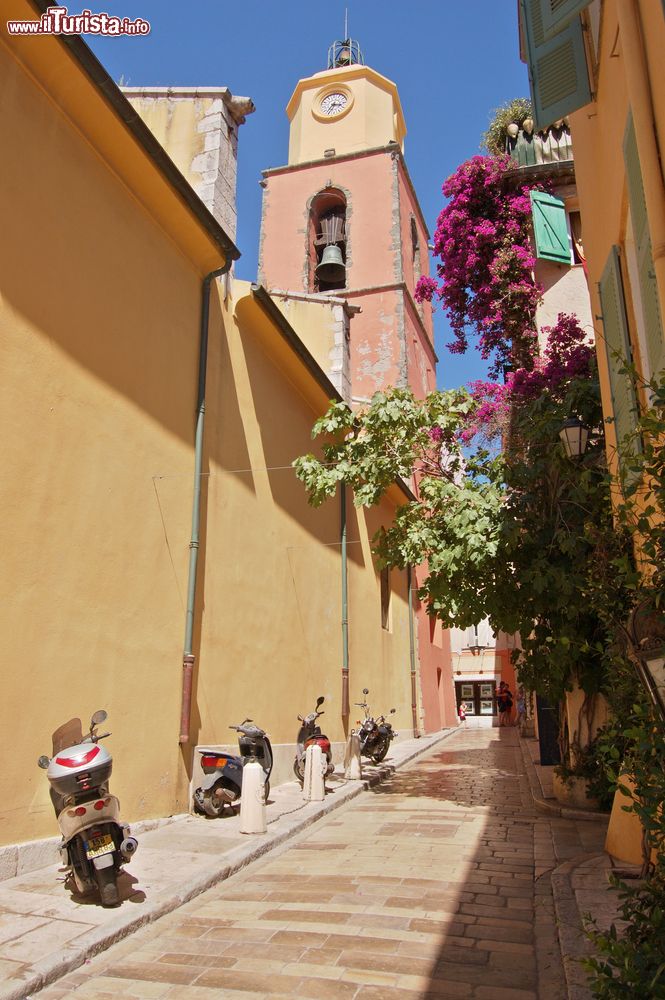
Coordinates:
[647,632]
[575,437]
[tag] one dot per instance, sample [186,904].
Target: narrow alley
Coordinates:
[433,884]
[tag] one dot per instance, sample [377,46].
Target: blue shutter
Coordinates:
[558,73]
[550,228]
[651,311]
[557,14]
[617,342]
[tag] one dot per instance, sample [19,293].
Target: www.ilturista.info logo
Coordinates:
[58,21]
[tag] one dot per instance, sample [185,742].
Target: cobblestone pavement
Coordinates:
[434,884]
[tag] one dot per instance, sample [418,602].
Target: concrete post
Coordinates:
[252,800]
[352,763]
[313,788]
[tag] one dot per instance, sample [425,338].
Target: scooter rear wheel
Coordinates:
[299,770]
[107,883]
[84,885]
[379,755]
[213,804]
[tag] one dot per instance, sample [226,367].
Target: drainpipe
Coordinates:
[188,655]
[412,655]
[345,609]
[641,103]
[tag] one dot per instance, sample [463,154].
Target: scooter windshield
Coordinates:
[69,734]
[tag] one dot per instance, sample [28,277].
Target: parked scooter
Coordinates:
[95,843]
[310,734]
[222,781]
[375,735]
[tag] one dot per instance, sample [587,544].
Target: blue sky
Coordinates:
[452,61]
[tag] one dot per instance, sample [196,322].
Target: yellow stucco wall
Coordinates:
[271,587]
[175,124]
[600,171]
[373,116]
[99,325]
[625,56]
[99,319]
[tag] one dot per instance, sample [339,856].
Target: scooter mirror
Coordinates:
[320,701]
[99,717]
[43,762]
[365,690]
[392,711]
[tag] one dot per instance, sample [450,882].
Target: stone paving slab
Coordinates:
[46,930]
[360,905]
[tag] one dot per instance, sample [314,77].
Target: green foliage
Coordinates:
[630,959]
[513,537]
[641,509]
[494,139]
[631,962]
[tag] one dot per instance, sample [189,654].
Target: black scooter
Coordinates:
[375,735]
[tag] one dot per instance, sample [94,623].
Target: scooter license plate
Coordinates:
[96,846]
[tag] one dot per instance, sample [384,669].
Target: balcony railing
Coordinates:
[527,148]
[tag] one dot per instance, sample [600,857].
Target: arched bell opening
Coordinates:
[328,235]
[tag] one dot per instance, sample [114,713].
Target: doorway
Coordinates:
[479,698]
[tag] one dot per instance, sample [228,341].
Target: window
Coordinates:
[385,599]
[556,57]
[575,220]
[415,250]
[648,291]
[617,346]
[328,241]
[550,228]
[557,14]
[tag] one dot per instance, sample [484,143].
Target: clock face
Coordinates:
[333,104]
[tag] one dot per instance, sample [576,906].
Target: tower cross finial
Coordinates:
[346,23]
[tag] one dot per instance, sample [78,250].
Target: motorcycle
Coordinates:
[310,734]
[222,781]
[95,843]
[375,735]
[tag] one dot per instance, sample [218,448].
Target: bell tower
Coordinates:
[342,219]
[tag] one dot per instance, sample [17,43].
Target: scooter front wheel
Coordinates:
[299,769]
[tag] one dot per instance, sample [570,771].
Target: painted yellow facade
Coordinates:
[101,267]
[613,88]
[626,65]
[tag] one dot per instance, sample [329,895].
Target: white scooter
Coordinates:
[95,843]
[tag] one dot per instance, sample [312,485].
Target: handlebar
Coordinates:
[102,736]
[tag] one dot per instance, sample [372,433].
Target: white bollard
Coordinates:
[352,765]
[313,788]
[253,800]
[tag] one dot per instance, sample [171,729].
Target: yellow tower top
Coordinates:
[343,110]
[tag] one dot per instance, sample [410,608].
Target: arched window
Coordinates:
[415,250]
[327,241]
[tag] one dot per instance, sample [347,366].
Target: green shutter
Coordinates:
[550,228]
[651,311]
[556,14]
[557,67]
[616,338]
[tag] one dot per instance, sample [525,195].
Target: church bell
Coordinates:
[332,266]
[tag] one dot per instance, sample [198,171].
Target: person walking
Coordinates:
[462,713]
[521,710]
